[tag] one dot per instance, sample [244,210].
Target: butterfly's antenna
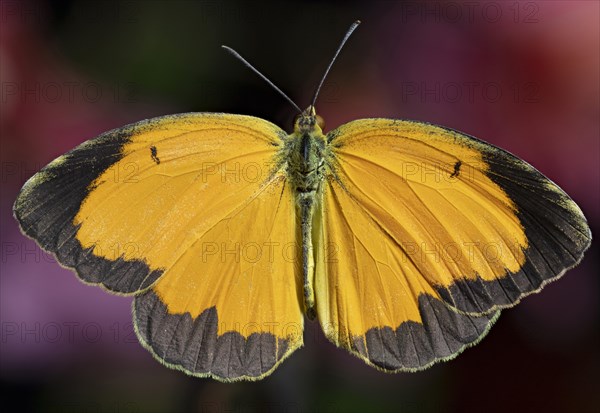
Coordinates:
[244,61]
[353,27]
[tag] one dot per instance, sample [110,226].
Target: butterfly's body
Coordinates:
[304,155]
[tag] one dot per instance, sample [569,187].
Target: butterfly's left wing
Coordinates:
[426,233]
[193,215]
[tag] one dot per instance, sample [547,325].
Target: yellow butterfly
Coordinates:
[403,239]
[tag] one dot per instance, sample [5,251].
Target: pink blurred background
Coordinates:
[524,76]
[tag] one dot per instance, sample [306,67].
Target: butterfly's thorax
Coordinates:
[306,158]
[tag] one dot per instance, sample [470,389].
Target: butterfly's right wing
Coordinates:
[429,232]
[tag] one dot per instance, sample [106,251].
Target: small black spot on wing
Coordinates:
[456,169]
[153,154]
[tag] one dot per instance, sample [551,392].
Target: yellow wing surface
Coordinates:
[192,214]
[432,231]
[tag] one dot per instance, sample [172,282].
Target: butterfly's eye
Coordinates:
[321,122]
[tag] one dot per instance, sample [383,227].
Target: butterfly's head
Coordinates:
[309,122]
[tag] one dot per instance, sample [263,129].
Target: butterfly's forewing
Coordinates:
[191,214]
[438,230]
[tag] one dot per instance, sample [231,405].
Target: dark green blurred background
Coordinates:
[521,75]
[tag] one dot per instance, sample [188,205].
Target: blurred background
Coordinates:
[521,75]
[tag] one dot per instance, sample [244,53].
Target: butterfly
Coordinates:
[402,239]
